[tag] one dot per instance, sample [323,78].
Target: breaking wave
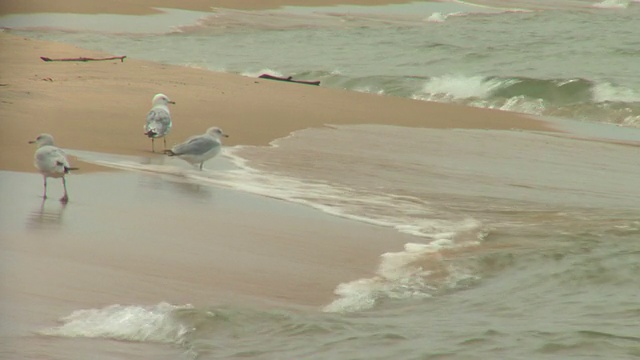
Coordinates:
[576,98]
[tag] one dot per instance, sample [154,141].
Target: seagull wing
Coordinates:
[51,160]
[158,122]
[196,145]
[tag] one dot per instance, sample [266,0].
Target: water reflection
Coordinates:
[48,215]
[195,190]
[176,184]
[150,182]
[156,160]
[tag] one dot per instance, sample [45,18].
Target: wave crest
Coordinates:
[120,322]
[577,98]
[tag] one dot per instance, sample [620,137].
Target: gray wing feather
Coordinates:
[159,121]
[197,145]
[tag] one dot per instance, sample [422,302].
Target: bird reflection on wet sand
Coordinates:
[48,215]
[181,185]
[198,191]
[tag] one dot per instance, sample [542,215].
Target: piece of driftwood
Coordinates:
[288,79]
[121,58]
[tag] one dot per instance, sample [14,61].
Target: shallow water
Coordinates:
[502,260]
[467,195]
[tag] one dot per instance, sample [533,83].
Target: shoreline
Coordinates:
[241,245]
[101,106]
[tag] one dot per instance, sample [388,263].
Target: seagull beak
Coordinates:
[225,135]
[32,142]
[172,102]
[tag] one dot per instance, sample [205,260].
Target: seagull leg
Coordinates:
[153,142]
[165,142]
[65,197]
[202,163]
[44,196]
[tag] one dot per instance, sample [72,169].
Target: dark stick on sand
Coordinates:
[121,58]
[288,79]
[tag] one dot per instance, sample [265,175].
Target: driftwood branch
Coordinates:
[121,58]
[288,79]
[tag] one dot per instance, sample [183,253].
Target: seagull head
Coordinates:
[161,99]
[42,140]
[216,132]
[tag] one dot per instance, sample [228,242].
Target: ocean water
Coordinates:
[525,245]
[573,59]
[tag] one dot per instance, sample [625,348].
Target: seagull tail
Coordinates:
[151,133]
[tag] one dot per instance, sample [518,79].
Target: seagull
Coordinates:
[51,161]
[199,148]
[158,119]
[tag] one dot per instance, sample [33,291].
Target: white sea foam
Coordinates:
[477,89]
[124,322]
[369,90]
[437,17]
[612,4]
[519,104]
[406,214]
[633,121]
[451,87]
[416,272]
[605,91]
[255,74]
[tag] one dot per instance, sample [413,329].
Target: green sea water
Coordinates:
[577,62]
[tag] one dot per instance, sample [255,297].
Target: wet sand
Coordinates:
[177,241]
[142,239]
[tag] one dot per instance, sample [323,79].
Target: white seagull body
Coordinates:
[159,121]
[51,161]
[199,148]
